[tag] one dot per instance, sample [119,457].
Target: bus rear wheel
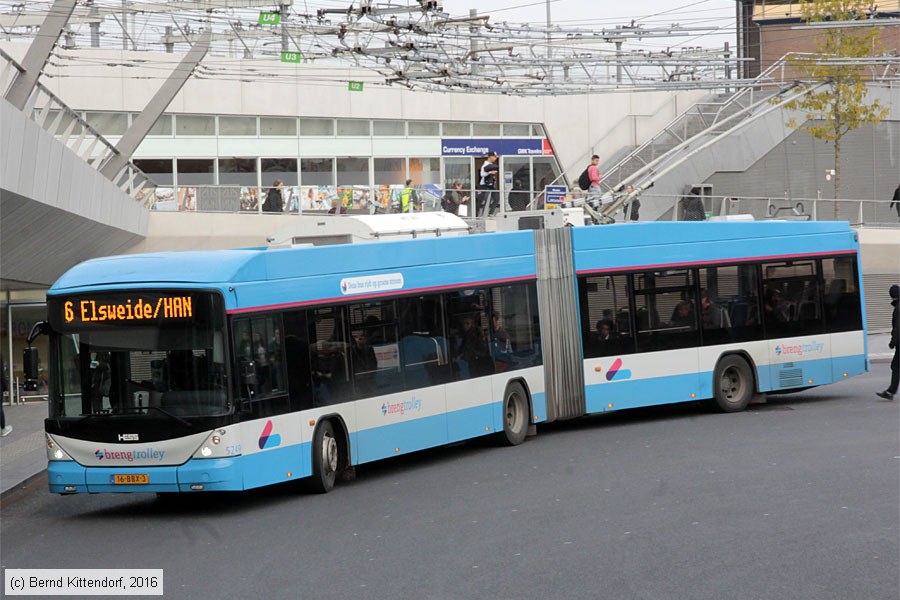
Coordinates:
[515,414]
[732,384]
[325,456]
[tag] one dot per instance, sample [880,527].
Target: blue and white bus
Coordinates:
[231,370]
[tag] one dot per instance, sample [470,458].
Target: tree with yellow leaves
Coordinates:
[842,105]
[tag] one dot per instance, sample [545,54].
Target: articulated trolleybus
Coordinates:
[230,370]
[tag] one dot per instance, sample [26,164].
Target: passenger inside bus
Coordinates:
[683,315]
[712,315]
[472,355]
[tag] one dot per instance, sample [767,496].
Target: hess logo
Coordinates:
[128,437]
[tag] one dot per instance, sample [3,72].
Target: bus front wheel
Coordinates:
[515,414]
[732,384]
[325,458]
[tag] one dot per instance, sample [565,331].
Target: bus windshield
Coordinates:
[175,366]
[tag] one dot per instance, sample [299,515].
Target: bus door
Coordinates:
[799,349]
[470,401]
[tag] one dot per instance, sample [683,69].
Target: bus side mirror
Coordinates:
[31,361]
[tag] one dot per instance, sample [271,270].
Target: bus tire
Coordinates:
[733,384]
[325,459]
[515,414]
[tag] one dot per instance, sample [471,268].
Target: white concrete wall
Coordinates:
[577,125]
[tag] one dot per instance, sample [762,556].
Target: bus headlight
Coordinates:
[54,452]
[219,443]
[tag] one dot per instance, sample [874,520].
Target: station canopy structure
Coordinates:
[412,43]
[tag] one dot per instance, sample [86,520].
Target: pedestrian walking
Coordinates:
[593,170]
[487,183]
[274,200]
[634,207]
[894,344]
[5,429]
[895,201]
[692,208]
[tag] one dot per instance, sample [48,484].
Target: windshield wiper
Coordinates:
[163,411]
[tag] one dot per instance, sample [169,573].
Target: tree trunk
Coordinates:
[837,178]
[837,155]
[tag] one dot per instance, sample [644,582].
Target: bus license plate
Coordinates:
[132,479]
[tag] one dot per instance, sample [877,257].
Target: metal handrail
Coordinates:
[77,118]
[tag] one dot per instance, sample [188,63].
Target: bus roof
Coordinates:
[222,268]
[641,245]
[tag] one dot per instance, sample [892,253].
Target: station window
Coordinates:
[284,169]
[389,128]
[425,170]
[389,171]
[486,129]
[108,123]
[196,171]
[516,130]
[317,127]
[424,129]
[245,126]
[352,171]
[353,128]
[538,131]
[317,171]
[277,126]
[195,125]
[237,171]
[163,125]
[159,170]
[457,129]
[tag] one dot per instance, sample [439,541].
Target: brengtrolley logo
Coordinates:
[267,439]
[371,283]
[130,455]
[799,349]
[401,408]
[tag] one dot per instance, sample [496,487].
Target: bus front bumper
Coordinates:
[210,474]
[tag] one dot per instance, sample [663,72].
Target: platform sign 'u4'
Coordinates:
[269,18]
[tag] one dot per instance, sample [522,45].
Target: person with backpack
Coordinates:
[590,179]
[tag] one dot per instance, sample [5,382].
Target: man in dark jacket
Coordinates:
[895,201]
[5,429]
[692,208]
[894,344]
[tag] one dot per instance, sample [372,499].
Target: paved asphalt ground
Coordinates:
[799,498]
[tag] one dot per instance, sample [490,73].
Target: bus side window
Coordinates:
[605,316]
[328,356]
[296,357]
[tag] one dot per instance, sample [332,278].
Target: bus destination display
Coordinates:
[124,309]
